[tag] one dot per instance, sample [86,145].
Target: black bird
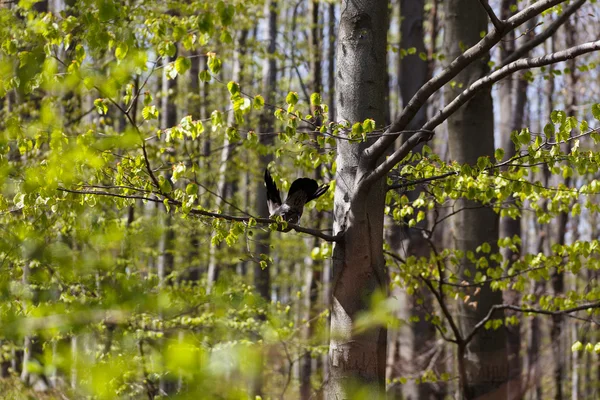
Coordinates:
[301,192]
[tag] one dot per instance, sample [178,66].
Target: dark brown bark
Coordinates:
[262,276]
[332,27]
[415,340]
[513,96]
[471,135]
[313,268]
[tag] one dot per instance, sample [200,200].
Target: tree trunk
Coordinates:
[331,62]
[262,278]
[224,190]
[358,358]
[312,270]
[416,338]
[471,135]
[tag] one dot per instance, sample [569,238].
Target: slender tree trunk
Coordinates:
[262,276]
[331,61]
[312,268]
[358,358]
[224,188]
[471,135]
[513,99]
[571,106]
[165,263]
[415,339]
[168,119]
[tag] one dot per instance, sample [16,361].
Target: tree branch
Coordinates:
[497,22]
[475,87]
[499,307]
[377,149]
[197,211]
[497,75]
[539,39]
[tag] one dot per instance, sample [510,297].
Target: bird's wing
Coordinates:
[306,185]
[309,186]
[273,196]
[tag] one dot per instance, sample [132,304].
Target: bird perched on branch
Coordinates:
[301,192]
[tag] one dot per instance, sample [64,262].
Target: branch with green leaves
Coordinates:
[279,225]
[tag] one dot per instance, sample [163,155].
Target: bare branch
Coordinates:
[438,295]
[197,211]
[539,39]
[500,307]
[375,151]
[498,24]
[475,87]
[497,75]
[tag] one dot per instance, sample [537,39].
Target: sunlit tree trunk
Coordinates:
[359,266]
[224,186]
[471,135]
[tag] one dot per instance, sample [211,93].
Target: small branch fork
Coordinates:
[497,22]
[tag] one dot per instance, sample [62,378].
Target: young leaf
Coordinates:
[182,64]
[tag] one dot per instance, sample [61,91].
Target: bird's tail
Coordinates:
[321,190]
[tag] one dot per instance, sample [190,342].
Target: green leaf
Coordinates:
[368,125]
[258,102]
[596,111]
[549,130]
[204,76]
[499,154]
[357,130]
[226,13]
[164,185]
[205,23]
[315,99]
[191,189]
[291,98]
[121,51]
[214,63]
[182,64]
[234,88]
[101,106]
[150,112]
[147,98]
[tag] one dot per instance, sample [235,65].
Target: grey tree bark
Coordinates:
[358,263]
[471,135]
